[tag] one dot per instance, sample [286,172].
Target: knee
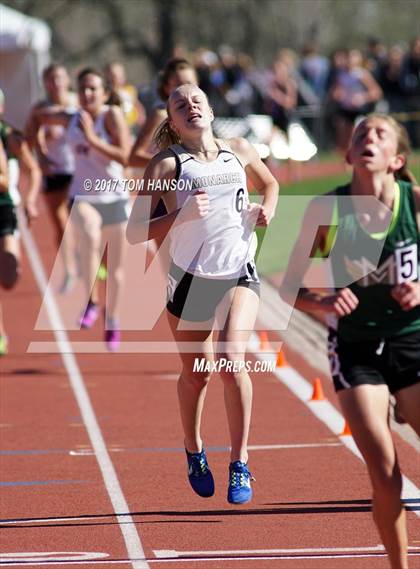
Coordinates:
[232,366]
[387,480]
[117,275]
[195,379]
[90,234]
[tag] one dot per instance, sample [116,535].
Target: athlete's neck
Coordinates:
[204,146]
[380,185]
[61,98]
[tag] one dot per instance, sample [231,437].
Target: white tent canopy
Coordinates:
[24,52]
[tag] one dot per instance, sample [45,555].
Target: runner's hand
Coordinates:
[196,207]
[260,214]
[343,303]
[407,294]
[87,125]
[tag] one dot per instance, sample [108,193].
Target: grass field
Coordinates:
[275,243]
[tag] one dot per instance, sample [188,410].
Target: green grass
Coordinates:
[414,165]
[276,242]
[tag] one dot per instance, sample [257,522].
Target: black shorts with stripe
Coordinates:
[196,298]
[394,362]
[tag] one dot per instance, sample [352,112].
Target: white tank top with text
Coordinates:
[105,175]
[219,245]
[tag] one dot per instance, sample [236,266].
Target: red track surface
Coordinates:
[304,497]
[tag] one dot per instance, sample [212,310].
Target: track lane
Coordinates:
[300,494]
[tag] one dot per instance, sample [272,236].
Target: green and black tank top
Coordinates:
[377,315]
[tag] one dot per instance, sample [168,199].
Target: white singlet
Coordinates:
[105,175]
[219,245]
[58,148]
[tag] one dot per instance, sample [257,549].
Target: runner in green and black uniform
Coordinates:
[17,162]
[8,223]
[374,349]
[379,327]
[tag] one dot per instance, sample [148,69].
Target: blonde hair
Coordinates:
[403,144]
[165,135]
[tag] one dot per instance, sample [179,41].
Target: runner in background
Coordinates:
[100,139]
[175,73]
[57,163]
[20,175]
[133,110]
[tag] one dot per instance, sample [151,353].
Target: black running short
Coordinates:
[57,182]
[195,298]
[8,220]
[394,362]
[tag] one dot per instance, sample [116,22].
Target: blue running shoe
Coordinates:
[239,489]
[199,474]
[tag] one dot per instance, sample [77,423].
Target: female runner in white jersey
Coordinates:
[212,273]
[100,140]
[57,161]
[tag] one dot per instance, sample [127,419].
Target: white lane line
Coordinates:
[113,448]
[119,503]
[185,560]
[90,452]
[39,556]
[325,412]
[173,553]
[291,446]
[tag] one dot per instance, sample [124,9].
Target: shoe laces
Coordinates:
[239,475]
[199,464]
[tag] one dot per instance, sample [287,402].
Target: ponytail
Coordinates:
[165,136]
[114,98]
[406,175]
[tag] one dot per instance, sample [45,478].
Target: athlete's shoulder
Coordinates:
[114,113]
[239,144]
[114,120]
[243,149]
[163,164]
